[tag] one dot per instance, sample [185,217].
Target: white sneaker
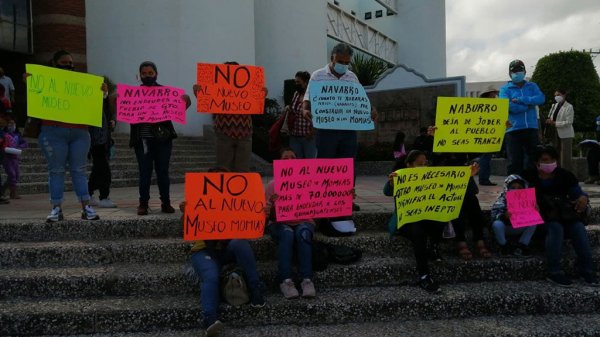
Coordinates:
[308,288]
[55,215]
[288,289]
[88,213]
[93,201]
[106,203]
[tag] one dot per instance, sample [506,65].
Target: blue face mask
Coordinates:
[518,77]
[340,68]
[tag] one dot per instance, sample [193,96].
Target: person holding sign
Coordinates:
[64,143]
[418,232]
[501,221]
[563,204]
[290,234]
[522,135]
[153,143]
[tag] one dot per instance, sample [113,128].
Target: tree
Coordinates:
[368,69]
[573,71]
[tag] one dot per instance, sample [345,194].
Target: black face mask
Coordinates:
[65,66]
[300,88]
[149,80]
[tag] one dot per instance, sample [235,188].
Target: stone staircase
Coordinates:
[125,278]
[189,154]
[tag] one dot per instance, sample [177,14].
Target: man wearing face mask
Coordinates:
[560,118]
[335,143]
[522,137]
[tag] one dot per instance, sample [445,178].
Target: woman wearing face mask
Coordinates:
[560,120]
[62,144]
[302,139]
[561,202]
[152,143]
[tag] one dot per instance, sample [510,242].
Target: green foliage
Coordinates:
[368,69]
[573,71]
[261,125]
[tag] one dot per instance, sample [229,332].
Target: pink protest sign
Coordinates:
[521,206]
[143,104]
[313,188]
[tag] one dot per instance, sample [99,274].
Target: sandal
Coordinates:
[463,251]
[483,251]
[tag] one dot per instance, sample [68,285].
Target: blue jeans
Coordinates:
[155,154]
[336,143]
[287,237]
[304,147]
[501,230]
[62,146]
[207,264]
[485,167]
[554,241]
[520,149]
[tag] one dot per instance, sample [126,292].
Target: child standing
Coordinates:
[501,221]
[15,140]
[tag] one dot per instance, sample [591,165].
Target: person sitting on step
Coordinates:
[501,221]
[290,234]
[420,232]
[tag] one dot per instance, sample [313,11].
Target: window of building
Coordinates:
[15,26]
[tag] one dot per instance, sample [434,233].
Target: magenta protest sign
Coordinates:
[313,188]
[143,104]
[521,206]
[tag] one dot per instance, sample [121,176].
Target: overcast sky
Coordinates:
[483,36]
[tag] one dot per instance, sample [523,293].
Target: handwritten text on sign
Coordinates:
[313,188]
[470,124]
[430,193]
[64,96]
[223,206]
[340,105]
[230,89]
[144,104]
[521,206]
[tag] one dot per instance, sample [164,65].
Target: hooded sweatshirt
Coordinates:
[499,207]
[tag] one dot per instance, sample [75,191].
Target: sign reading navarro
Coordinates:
[340,105]
[313,188]
[230,89]
[223,206]
[145,104]
[470,124]
[64,96]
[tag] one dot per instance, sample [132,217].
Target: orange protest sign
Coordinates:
[230,89]
[223,206]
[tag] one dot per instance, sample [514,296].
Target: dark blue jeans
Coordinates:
[520,149]
[287,237]
[336,143]
[579,239]
[153,153]
[207,265]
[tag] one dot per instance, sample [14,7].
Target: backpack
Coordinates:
[320,255]
[344,254]
[233,287]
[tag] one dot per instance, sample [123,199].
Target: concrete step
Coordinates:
[124,165]
[124,156]
[332,306]
[583,325]
[152,279]
[150,226]
[42,187]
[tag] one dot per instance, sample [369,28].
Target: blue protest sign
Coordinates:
[340,105]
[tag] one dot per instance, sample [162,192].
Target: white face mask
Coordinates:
[558,99]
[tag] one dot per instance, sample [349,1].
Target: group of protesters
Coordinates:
[561,202]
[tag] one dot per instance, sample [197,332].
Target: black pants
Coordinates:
[154,154]
[593,159]
[469,213]
[100,178]
[418,232]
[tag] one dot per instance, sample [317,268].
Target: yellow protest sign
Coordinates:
[64,96]
[430,193]
[470,124]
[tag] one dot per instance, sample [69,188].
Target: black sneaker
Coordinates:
[522,251]
[428,284]
[434,253]
[256,298]
[560,279]
[591,279]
